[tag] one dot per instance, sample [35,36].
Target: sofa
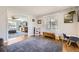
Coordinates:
[11,31]
[49,35]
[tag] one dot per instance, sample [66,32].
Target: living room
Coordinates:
[48,21]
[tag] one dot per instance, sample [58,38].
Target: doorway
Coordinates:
[17,26]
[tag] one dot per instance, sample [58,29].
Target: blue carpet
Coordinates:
[35,45]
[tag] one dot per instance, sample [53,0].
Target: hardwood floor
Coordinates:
[17,39]
[65,47]
[72,48]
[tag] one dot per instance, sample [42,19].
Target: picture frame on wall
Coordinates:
[68,18]
[38,21]
[33,20]
[78,16]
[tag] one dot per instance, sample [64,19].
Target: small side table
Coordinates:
[56,37]
[61,38]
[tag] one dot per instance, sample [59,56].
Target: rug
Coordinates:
[35,45]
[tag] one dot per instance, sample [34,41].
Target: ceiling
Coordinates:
[34,10]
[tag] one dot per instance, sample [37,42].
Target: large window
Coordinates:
[11,24]
[51,23]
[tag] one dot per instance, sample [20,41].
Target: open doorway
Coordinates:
[17,26]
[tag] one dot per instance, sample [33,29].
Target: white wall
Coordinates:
[31,25]
[78,24]
[78,29]
[3,23]
[68,28]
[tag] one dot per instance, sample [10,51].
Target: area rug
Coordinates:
[35,45]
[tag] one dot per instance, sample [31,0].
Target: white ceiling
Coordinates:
[35,10]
